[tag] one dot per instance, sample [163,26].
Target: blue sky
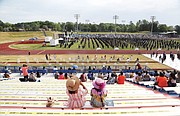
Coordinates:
[96,11]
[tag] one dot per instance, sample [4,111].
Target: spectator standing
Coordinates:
[25,72]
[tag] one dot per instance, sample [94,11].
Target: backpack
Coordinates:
[97,100]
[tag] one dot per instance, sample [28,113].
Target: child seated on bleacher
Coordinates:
[98,93]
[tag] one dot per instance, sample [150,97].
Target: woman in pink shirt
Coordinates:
[76,92]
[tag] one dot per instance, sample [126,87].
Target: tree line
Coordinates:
[141,25]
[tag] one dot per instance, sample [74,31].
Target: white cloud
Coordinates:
[166,11]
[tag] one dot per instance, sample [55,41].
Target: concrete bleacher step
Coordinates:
[28,99]
[116,104]
[168,111]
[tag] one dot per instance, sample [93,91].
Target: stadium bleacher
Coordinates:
[29,98]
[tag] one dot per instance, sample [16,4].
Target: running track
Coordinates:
[6,50]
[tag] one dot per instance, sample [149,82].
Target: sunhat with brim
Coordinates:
[99,83]
[72,83]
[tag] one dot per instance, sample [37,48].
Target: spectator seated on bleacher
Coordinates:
[121,78]
[32,77]
[90,76]
[172,80]
[98,93]
[106,76]
[138,77]
[76,92]
[38,75]
[44,70]
[161,81]
[6,75]
[56,75]
[7,70]
[55,68]
[146,77]
[112,79]
[66,76]
[178,77]
[83,77]
[132,74]
[61,76]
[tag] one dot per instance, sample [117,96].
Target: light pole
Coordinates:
[77,17]
[87,22]
[152,18]
[115,17]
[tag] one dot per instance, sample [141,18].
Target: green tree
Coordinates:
[132,27]
[144,26]
[177,29]
[93,28]
[103,27]
[69,26]
[35,26]
[162,28]
[1,23]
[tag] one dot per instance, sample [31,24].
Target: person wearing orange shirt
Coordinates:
[121,78]
[161,80]
[25,72]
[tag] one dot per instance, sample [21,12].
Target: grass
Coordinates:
[18,36]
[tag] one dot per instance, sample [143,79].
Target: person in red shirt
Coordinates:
[25,72]
[161,80]
[61,76]
[121,78]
